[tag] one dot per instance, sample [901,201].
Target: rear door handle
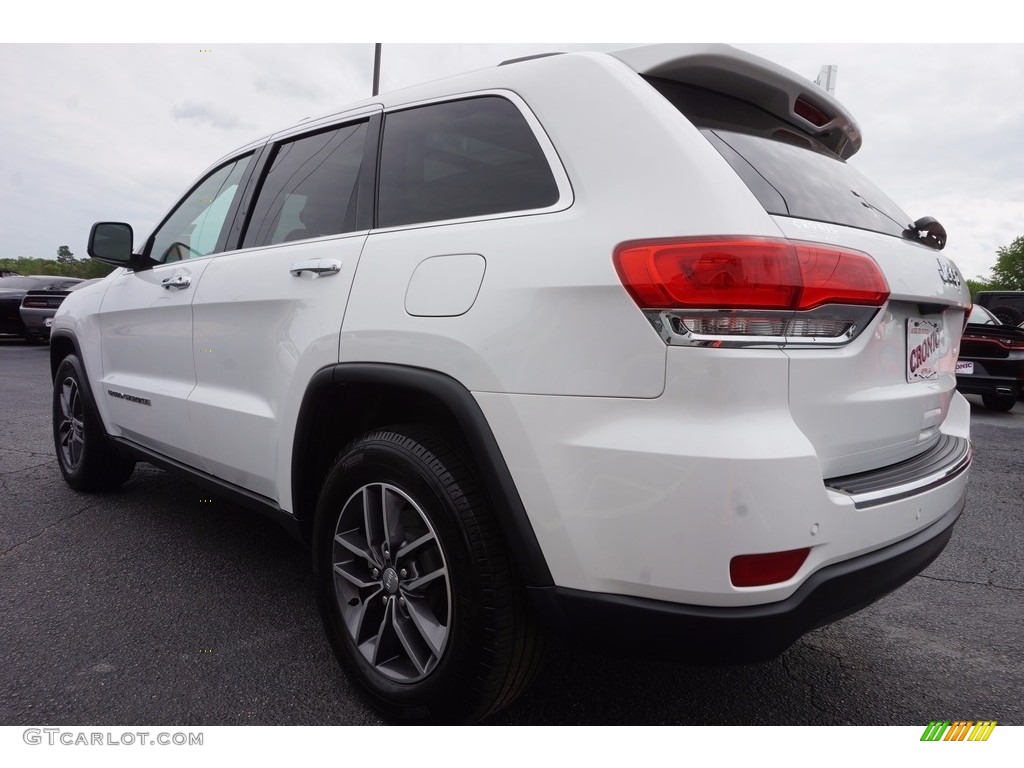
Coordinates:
[316,268]
[177,281]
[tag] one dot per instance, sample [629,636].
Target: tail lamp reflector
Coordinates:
[769,568]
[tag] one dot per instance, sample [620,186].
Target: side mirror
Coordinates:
[111,242]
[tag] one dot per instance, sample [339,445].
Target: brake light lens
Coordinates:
[809,112]
[769,568]
[748,274]
[37,302]
[751,290]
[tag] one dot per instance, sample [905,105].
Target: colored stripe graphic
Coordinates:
[958,730]
[982,730]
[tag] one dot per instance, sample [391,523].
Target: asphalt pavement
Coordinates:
[159,604]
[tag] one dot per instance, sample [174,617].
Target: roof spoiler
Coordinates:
[742,75]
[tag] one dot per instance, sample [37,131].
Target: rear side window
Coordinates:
[472,157]
[309,189]
[789,171]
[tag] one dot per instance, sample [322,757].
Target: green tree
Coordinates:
[1008,273]
[978,285]
[65,256]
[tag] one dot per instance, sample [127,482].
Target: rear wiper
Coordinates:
[927,231]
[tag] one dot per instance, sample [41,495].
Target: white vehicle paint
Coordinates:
[600,341]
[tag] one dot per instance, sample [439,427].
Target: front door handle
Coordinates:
[316,268]
[178,281]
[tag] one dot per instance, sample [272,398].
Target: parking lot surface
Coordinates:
[160,604]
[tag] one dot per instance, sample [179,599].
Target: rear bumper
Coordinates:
[642,627]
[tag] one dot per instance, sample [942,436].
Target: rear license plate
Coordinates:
[964,368]
[925,347]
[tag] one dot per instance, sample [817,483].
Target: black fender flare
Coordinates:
[524,549]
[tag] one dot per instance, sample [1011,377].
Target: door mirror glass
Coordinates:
[111,242]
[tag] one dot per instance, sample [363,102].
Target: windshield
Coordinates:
[981,316]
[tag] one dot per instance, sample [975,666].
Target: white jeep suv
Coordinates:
[615,346]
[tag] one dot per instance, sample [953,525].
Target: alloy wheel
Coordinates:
[71,427]
[391,582]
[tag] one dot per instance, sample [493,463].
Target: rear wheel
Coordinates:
[999,402]
[1008,315]
[417,594]
[85,457]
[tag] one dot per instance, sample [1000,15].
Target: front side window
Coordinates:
[309,190]
[195,226]
[457,159]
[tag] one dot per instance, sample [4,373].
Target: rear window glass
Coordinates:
[789,172]
[457,159]
[310,188]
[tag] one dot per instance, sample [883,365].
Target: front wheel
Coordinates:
[418,597]
[85,457]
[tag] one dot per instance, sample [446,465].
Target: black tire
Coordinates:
[999,402]
[473,644]
[1008,315]
[86,458]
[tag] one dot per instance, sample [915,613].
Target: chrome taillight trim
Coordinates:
[671,326]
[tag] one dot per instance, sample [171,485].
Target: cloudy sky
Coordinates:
[104,131]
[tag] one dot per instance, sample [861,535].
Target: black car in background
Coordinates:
[13,290]
[991,362]
[40,305]
[1008,306]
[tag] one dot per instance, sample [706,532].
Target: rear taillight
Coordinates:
[41,302]
[768,568]
[753,287]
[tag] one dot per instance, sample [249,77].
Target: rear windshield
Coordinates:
[789,172]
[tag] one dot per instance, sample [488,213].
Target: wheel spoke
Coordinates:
[372,516]
[353,542]
[412,546]
[391,505]
[417,584]
[76,449]
[341,570]
[65,399]
[408,643]
[356,617]
[429,628]
[386,623]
